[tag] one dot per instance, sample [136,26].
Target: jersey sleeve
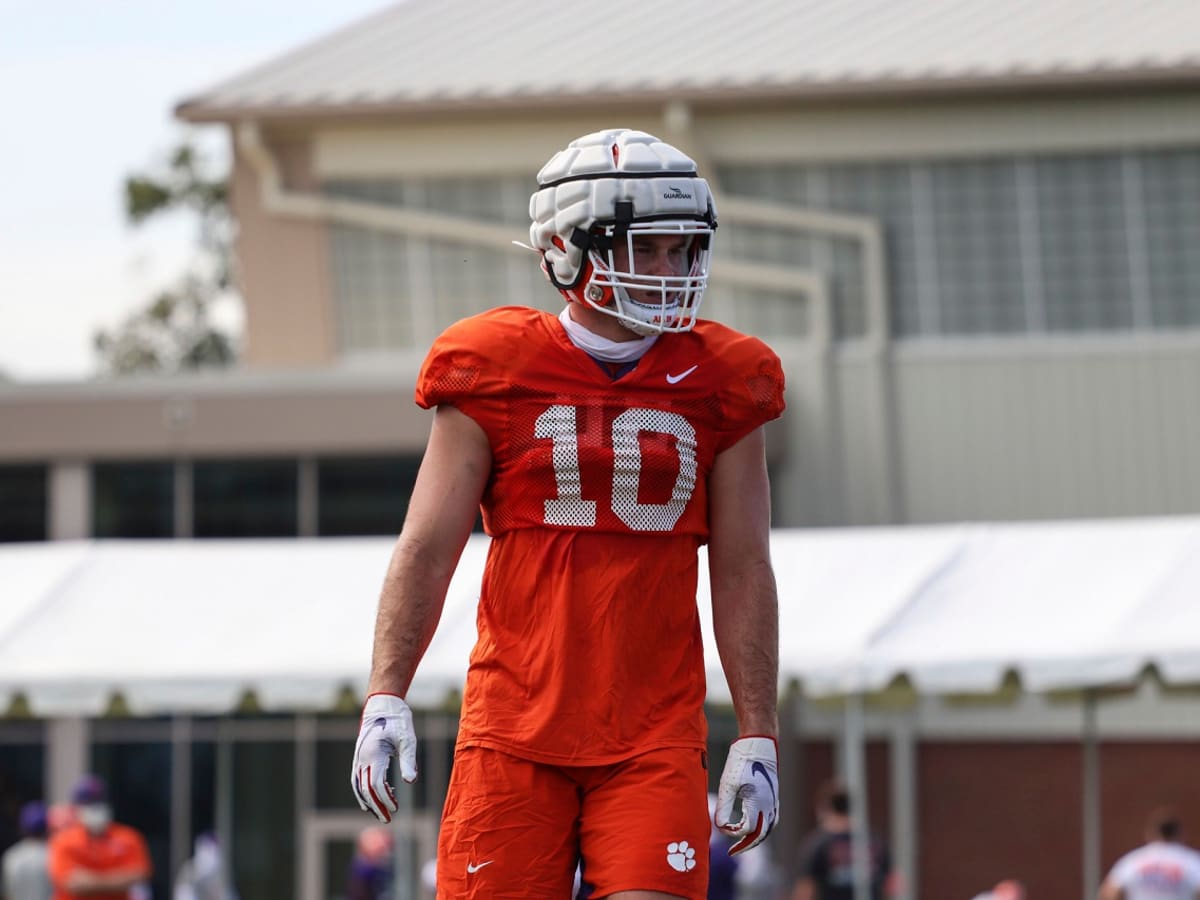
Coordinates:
[453,369]
[471,364]
[753,390]
[138,852]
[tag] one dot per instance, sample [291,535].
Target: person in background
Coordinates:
[826,858]
[203,876]
[1163,868]
[58,817]
[96,858]
[1008,889]
[23,868]
[371,868]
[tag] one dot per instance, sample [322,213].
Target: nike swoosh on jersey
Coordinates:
[472,868]
[675,379]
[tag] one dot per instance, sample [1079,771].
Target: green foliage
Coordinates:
[171,334]
[175,331]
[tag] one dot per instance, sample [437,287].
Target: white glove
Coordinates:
[749,781]
[386,730]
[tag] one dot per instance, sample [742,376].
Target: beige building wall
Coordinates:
[282,267]
[220,415]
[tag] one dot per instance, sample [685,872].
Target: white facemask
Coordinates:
[95,817]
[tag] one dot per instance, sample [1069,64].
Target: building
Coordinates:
[968,228]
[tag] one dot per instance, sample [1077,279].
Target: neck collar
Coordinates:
[603,348]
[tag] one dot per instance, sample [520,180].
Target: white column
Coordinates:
[306,497]
[855,748]
[70,501]
[67,756]
[184,504]
[304,788]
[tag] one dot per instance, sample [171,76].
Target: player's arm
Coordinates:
[804,889]
[745,606]
[1110,890]
[441,513]
[88,881]
[746,627]
[136,868]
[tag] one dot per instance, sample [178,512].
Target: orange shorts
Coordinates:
[512,828]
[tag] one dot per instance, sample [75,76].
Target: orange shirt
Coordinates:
[589,647]
[74,848]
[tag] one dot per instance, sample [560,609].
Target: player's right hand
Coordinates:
[386,730]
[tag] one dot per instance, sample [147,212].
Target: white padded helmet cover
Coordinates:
[593,166]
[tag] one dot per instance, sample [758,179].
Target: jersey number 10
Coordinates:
[558,424]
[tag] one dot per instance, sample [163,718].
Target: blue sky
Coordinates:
[87,91]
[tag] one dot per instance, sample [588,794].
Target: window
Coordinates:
[1085,251]
[397,291]
[23,503]
[1015,244]
[1011,245]
[245,498]
[1171,204]
[22,779]
[883,191]
[133,500]
[977,241]
[762,312]
[357,495]
[264,819]
[371,281]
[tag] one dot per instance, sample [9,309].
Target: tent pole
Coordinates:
[181,836]
[224,799]
[856,784]
[794,803]
[1091,797]
[904,803]
[405,865]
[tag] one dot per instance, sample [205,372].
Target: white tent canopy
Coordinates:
[1063,605]
[191,626]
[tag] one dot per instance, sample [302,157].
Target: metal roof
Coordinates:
[437,54]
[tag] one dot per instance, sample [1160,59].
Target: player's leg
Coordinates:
[508,829]
[644,828]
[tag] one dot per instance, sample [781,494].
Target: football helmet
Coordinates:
[601,199]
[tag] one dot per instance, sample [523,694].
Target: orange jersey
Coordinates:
[589,646]
[74,849]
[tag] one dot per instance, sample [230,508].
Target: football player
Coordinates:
[604,445]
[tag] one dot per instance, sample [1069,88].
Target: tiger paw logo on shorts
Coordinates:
[681,856]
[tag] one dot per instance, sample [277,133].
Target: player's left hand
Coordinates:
[750,779]
[386,730]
